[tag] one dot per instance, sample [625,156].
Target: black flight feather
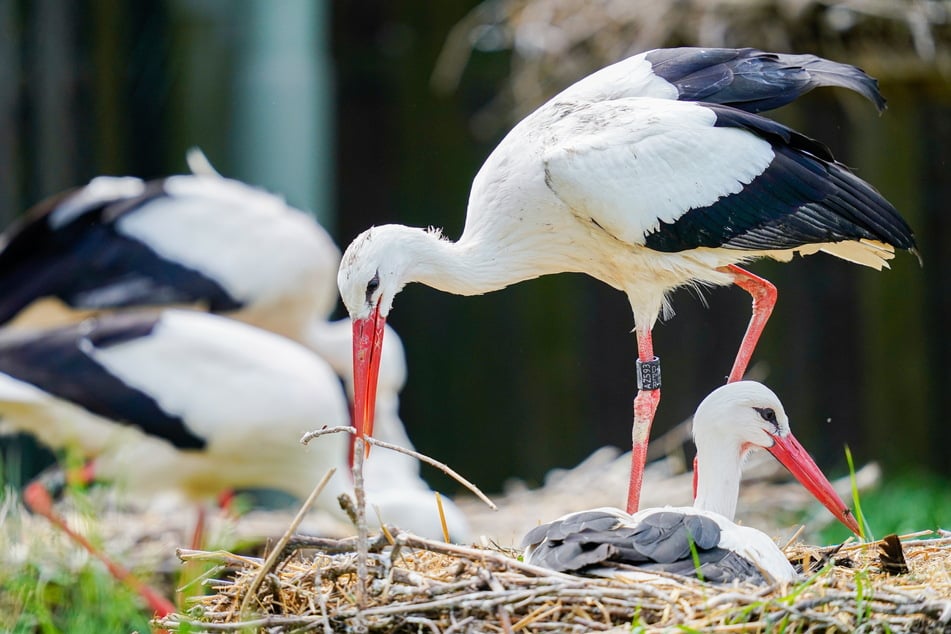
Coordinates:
[892,556]
[803,197]
[754,80]
[87,263]
[57,361]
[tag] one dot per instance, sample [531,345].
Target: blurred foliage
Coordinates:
[907,503]
[49,586]
[84,601]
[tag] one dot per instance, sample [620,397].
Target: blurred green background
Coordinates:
[375,112]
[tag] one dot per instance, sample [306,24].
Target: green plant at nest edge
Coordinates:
[87,601]
[902,504]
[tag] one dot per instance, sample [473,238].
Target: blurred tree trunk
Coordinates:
[11,169]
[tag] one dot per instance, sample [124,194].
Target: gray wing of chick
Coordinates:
[663,541]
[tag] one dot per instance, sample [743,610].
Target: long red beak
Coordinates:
[367,346]
[795,458]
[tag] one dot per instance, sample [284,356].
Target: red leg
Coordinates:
[37,498]
[693,481]
[764,298]
[226,501]
[198,536]
[645,405]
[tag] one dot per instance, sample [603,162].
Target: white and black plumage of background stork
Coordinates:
[217,243]
[179,401]
[189,239]
[649,175]
[701,540]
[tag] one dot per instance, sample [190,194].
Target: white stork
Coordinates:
[728,424]
[189,239]
[625,177]
[197,404]
[201,239]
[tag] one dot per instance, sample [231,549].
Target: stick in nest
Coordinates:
[282,542]
[360,495]
[309,436]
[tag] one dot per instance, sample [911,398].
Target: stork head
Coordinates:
[745,415]
[742,415]
[373,270]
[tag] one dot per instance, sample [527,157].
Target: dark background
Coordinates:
[348,125]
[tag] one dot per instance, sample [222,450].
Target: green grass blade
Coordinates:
[856,502]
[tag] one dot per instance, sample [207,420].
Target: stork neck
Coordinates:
[718,479]
[465,267]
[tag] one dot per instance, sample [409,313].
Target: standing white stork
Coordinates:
[615,178]
[732,421]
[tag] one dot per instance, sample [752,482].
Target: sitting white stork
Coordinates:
[702,540]
[199,404]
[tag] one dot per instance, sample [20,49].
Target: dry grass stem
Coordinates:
[311,435]
[282,542]
[439,465]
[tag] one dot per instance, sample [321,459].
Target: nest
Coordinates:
[416,585]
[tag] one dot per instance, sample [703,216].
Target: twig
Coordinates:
[252,625]
[279,547]
[363,539]
[336,546]
[439,465]
[322,602]
[309,436]
[408,539]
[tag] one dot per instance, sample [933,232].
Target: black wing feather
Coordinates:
[56,362]
[754,80]
[88,264]
[665,541]
[803,197]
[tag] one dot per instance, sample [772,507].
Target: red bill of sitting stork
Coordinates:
[649,175]
[732,421]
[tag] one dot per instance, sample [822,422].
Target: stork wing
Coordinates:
[754,80]
[70,248]
[743,78]
[59,361]
[674,176]
[600,542]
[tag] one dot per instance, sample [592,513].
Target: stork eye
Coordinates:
[372,285]
[768,414]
